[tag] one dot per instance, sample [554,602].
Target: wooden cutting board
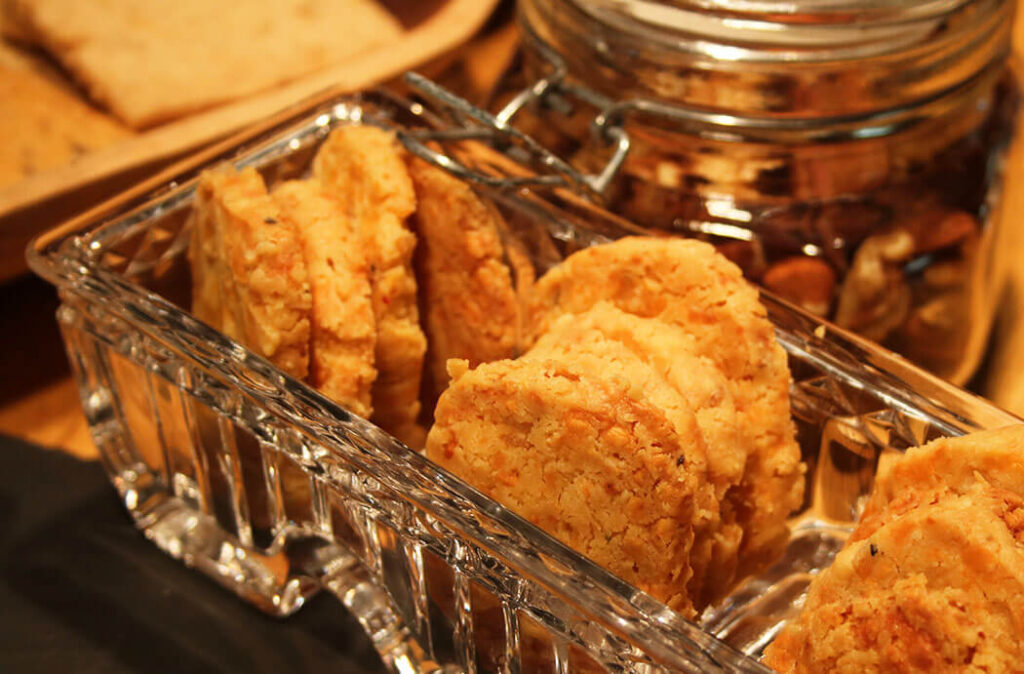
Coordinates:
[42,200]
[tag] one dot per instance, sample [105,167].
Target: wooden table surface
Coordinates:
[38,400]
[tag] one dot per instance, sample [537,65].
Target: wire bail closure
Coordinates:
[473,123]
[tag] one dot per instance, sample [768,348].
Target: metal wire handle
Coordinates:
[473,123]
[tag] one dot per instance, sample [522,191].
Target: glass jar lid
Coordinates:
[796,59]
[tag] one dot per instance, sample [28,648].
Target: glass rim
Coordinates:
[818,60]
[767,31]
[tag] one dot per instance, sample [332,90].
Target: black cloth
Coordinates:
[83,591]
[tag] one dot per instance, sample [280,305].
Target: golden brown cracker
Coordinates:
[362,168]
[343,332]
[470,308]
[149,62]
[672,354]
[939,589]
[955,464]
[44,123]
[577,341]
[668,354]
[206,263]
[579,457]
[686,283]
[243,252]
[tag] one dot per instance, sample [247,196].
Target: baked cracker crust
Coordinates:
[995,457]
[362,168]
[938,589]
[149,62]
[43,122]
[660,360]
[343,332]
[249,273]
[469,305]
[688,284]
[579,457]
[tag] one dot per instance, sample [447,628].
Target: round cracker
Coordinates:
[250,269]
[686,283]
[940,588]
[363,168]
[667,356]
[470,308]
[949,464]
[579,457]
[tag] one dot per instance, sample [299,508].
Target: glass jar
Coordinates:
[848,155]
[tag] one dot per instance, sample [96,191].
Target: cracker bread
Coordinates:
[44,124]
[249,273]
[653,356]
[938,589]
[995,457]
[206,263]
[686,283]
[343,332]
[149,62]
[579,457]
[591,353]
[363,169]
[469,305]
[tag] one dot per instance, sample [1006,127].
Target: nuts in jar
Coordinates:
[852,169]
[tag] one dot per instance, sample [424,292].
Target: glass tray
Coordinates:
[276,492]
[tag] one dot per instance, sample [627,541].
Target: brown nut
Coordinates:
[805,281]
[875,297]
[950,229]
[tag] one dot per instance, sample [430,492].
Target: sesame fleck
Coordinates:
[680,461]
[874,549]
[270,221]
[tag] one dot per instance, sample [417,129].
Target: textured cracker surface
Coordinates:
[949,464]
[687,284]
[43,123]
[249,273]
[343,332]
[363,169]
[939,588]
[470,309]
[581,458]
[661,362]
[152,61]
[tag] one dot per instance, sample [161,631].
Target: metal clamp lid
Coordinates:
[473,123]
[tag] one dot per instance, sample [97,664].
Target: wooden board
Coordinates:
[33,204]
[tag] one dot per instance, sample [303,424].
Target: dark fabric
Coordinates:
[81,590]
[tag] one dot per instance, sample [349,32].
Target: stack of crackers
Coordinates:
[140,63]
[633,401]
[326,276]
[647,424]
[932,579]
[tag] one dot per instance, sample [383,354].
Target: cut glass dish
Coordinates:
[200,437]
